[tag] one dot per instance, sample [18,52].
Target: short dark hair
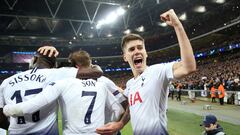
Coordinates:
[43,61]
[130,37]
[51,61]
[81,58]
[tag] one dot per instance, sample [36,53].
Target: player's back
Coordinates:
[83,103]
[22,87]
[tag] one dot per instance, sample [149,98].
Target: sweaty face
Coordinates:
[135,54]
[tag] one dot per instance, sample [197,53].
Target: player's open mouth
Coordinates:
[138,62]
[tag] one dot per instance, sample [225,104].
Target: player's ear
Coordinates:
[33,62]
[124,57]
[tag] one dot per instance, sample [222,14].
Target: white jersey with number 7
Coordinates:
[82,102]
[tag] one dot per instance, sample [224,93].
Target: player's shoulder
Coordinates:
[160,66]
[104,79]
[129,82]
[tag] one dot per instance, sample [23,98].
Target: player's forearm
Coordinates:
[186,51]
[89,73]
[125,118]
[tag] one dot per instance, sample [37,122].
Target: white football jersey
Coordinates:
[109,115]
[24,86]
[3,132]
[82,102]
[147,97]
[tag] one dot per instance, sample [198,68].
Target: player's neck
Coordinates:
[41,65]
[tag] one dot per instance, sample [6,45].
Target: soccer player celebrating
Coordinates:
[147,90]
[75,58]
[23,86]
[82,101]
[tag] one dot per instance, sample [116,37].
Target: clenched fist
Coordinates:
[170,18]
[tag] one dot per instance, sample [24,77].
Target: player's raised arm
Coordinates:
[94,72]
[187,64]
[47,96]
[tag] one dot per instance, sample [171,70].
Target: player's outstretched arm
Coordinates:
[94,72]
[187,64]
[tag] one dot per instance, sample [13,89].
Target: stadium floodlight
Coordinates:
[33,37]
[112,17]
[11,36]
[127,31]
[219,1]
[140,29]
[100,23]
[200,9]
[74,38]
[109,35]
[183,17]
[33,20]
[90,36]
[162,24]
[120,11]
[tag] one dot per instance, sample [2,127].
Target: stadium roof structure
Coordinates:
[76,23]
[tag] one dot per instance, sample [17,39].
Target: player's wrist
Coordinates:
[120,125]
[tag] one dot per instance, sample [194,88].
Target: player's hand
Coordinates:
[97,67]
[11,110]
[52,51]
[170,18]
[110,128]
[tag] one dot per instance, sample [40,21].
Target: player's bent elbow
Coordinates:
[191,70]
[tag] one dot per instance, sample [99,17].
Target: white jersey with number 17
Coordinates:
[23,87]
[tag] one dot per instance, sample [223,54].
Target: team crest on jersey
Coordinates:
[143,78]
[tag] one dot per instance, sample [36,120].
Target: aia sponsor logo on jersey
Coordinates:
[135,98]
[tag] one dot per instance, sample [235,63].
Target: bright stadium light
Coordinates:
[140,29]
[183,17]
[162,24]
[219,1]
[120,11]
[112,17]
[109,35]
[200,9]
[127,31]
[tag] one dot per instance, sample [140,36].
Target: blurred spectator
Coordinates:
[171,90]
[211,127]
[221,91]
[179,91]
